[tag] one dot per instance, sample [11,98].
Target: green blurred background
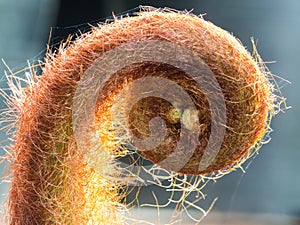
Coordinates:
[272,182]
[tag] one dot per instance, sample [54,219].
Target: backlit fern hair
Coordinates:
[52,180]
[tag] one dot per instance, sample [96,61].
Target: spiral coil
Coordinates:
[168,86]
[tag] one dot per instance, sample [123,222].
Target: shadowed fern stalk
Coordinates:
[116,92]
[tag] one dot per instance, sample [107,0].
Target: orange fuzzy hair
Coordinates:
[52,183]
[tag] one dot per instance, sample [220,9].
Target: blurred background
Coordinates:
[271,185]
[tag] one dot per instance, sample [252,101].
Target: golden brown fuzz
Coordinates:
[51,181]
